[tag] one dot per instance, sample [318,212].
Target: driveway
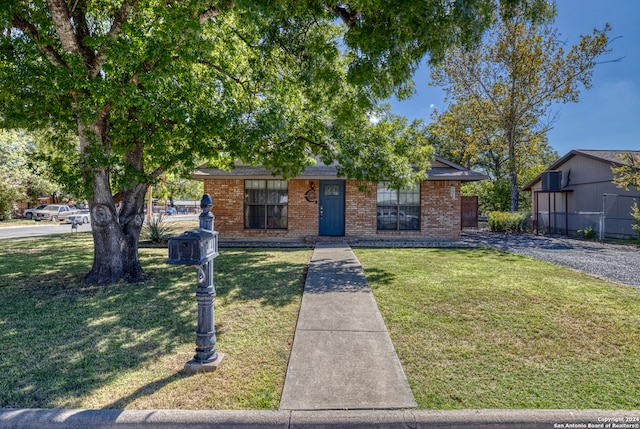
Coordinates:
[616,263]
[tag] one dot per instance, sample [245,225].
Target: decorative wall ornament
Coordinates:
[311,195]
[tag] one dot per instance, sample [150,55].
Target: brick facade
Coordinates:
[440,211]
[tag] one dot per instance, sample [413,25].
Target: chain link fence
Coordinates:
[614,221]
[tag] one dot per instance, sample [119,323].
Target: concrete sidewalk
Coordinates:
[342,356]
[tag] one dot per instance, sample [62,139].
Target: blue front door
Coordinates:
[331,208]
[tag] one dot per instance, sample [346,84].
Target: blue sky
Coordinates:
[608,115]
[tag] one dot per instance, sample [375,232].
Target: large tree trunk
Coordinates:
[116,228]
[515,192]
[131,219]
[513,170]
[116,231]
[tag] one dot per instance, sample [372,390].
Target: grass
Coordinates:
[473,328]
[20,222]
[68,345]
[478,328]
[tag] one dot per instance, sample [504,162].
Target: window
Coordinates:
[398,210]
[332,190]
[265,204]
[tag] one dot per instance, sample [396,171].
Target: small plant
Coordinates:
[156,229]
[587,233]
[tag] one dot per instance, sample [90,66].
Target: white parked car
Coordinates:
[80,217]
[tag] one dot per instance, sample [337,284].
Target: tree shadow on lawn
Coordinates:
[251,274]
[63,342]
[146,390]
[63,339]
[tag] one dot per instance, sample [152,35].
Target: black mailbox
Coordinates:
[194,247]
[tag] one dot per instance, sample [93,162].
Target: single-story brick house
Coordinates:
[251,204]
[577,193]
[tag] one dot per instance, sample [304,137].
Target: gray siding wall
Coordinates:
[588,180]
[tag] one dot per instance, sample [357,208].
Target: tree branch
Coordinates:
[312,142]
[62,21]
[213,12]
[119,19]
[209,13]
[47,50]
[79,15]
[157,172]
[223,72]
[349,18]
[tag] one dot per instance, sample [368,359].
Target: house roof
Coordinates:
[605,156]
[441,169]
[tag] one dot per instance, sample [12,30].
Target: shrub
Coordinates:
[156,229]
[587,233]
[508,222]
[635,214]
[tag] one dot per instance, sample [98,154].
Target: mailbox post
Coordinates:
[199,248]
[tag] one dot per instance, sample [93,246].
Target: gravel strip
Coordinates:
[615,263]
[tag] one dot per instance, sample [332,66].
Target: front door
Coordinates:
[331,210]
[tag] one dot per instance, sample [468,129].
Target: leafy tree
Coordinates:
[467,137]
[150,87]
[179,189]
[627,173]
[502,93]
[21,177]
[9,194]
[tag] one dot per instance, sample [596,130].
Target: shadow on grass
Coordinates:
[62,339]
[380,277]
[146,390]
[66,340]
[251,274]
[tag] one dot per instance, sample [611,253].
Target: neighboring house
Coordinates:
[250,203]
[26,208]
[577,192]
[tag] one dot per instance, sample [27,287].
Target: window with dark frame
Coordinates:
[398,209]
[265,204]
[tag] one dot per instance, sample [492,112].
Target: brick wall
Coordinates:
[303,214]
[440,212]
[360,209]
[228,204]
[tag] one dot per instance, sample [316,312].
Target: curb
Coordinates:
[281,419]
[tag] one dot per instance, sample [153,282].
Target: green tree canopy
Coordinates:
[503,92]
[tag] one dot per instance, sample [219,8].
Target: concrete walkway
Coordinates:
[342,356]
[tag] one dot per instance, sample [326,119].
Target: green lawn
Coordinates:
[65,344]
[473,328]
[479,328]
